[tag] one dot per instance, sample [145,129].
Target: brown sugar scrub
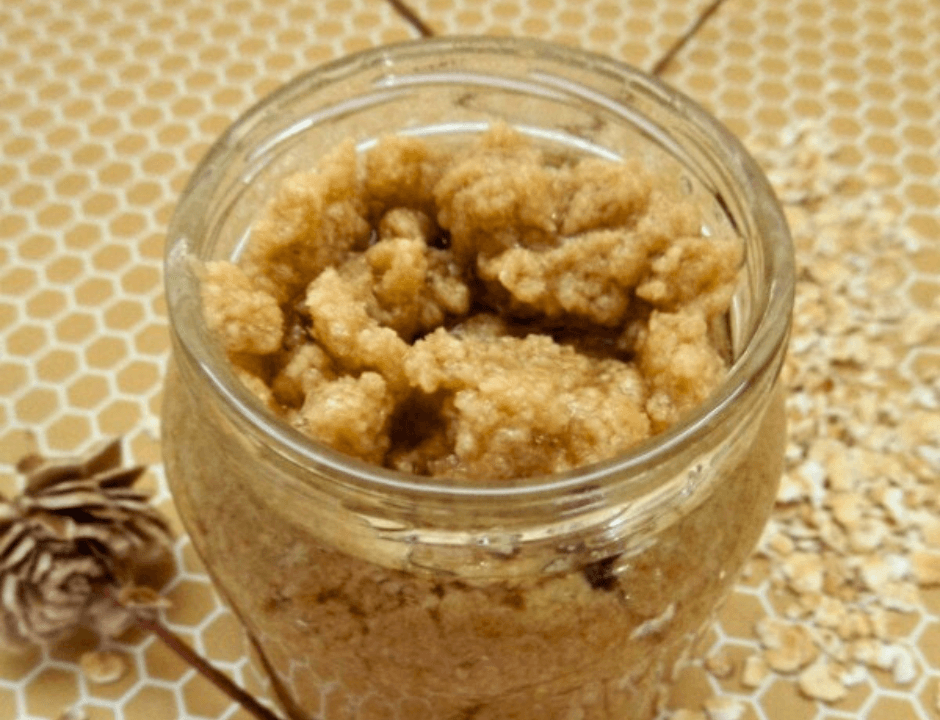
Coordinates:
[487,312]
[475,416]
[477,314]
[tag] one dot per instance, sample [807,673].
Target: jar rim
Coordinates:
[761,353]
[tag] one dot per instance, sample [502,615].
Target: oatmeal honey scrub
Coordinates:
[473,407]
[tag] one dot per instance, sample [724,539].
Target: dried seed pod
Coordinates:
[69,543]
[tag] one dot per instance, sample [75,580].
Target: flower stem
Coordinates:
[683,39]
[411,17]
[204,667]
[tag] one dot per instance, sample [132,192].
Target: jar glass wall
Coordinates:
[370,593]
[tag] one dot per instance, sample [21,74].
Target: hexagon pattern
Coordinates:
[106,107]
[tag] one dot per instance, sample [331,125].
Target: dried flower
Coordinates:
[71,546]
[70,542]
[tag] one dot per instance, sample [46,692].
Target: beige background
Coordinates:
[106,105]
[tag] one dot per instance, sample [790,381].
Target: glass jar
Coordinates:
[373,594]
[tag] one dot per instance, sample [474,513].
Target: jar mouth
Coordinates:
[758,215]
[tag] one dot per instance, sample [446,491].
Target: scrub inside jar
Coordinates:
[492,310]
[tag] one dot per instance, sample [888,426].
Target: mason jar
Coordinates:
[369,593]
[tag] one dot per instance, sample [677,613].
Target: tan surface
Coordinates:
[106,106]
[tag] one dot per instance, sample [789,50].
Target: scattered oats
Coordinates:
[103,667]
[930,455]
[896,659]
[918,329]
[900,596]
[788,647]
[804,571]
[855,534]
[931,532]
[794,611]
[900,566]
[925,397]
[865,651]
[781,544]
[831,645]
[801,345]
[917,498]
[922,426]
[821,682]
[803,531]
[847,508]
[851,349]
[831,534]
[885,656]
[879,623]
[877,571]
[904,669]
[892,500]
[754,672]
[882,358]
[793,489]
[724,708]
[868,535]
[720,664]
[814,477]
[856,676]
[829,612]
[839,470]
[855,625]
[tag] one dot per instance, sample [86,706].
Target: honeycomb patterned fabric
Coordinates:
[105,108]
